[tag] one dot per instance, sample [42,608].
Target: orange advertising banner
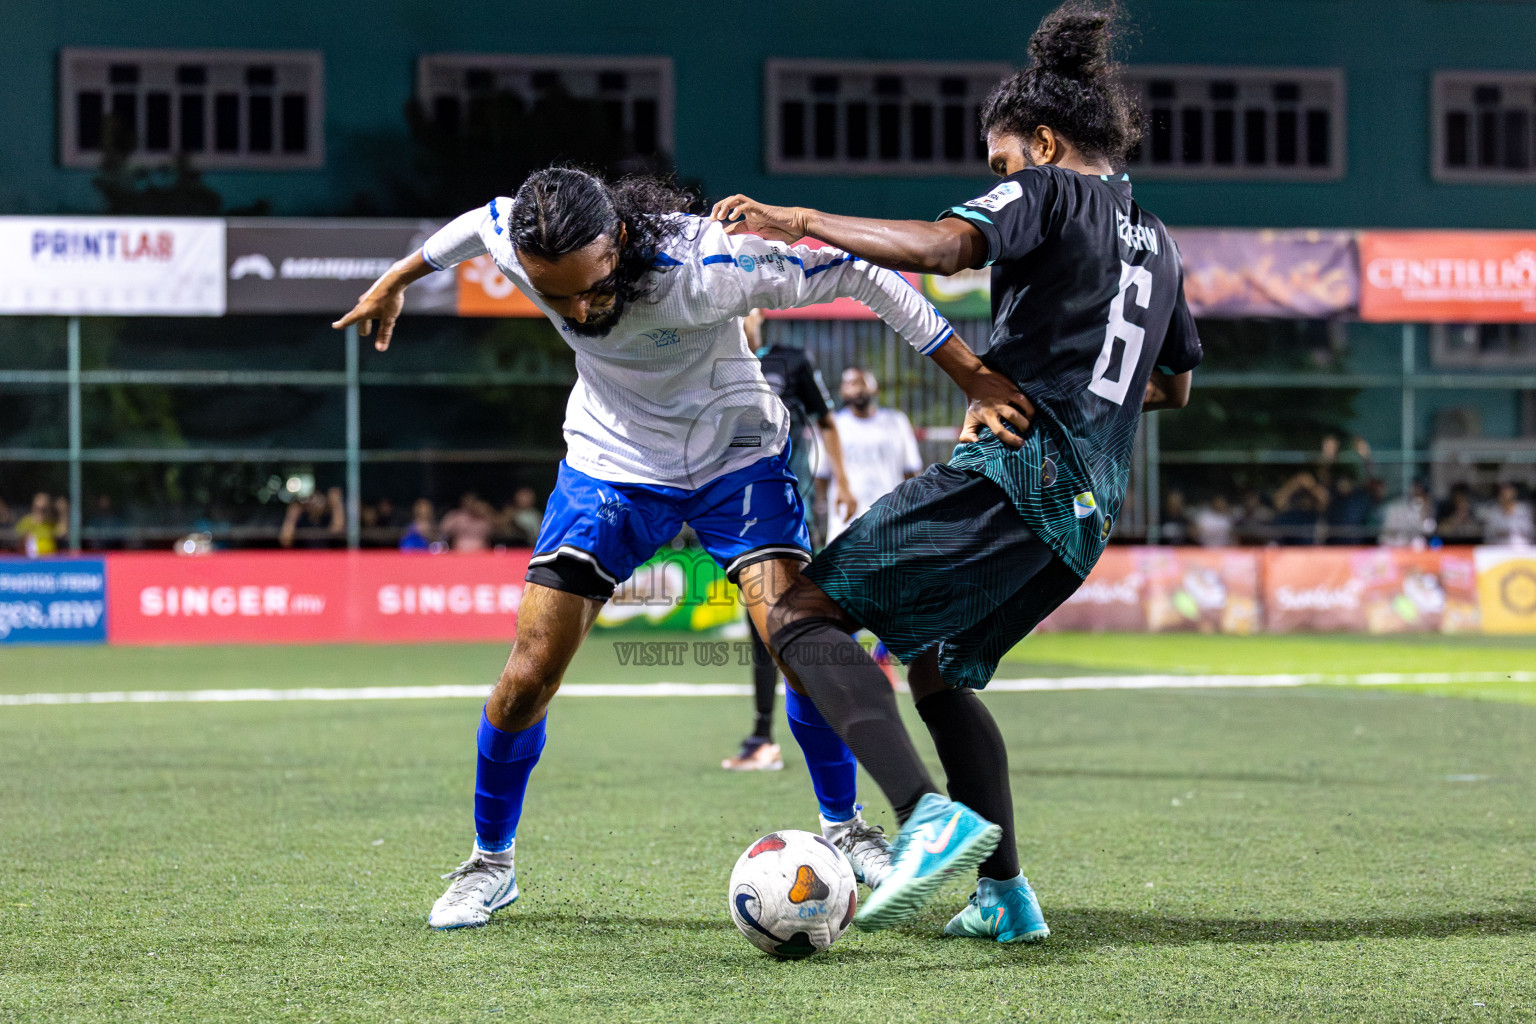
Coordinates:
[486,291]
[1448,276]
[1370,590]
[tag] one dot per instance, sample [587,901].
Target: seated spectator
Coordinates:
[1459,522]
[1174,528]
[421,535]
[1255,519]
[1214,524]
[322,517]
[522,517]
[1410,520]
[41,529]
[469,527]
[1508,519]
[1301,503]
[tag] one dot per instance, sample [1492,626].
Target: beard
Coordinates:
[598,325]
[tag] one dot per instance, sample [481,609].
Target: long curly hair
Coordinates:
[559,210]
[1072,87]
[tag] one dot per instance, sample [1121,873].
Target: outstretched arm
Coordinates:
[926,247]
[1167,391]
[458,240]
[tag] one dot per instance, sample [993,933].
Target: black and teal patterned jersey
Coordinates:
[1087,299]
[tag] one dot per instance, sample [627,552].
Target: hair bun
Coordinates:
[1073,41]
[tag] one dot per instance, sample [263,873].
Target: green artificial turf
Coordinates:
[1326,853]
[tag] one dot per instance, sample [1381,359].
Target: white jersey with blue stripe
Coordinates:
[672,396]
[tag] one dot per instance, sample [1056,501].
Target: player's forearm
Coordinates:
[1167,392]
[918,246]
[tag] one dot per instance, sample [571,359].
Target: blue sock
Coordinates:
[502,767]
[834,772]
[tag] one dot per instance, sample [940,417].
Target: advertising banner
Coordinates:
[1370,590]
[682,589]
[322,266]
[1448,276]
[1506,589]
[53,601]
[1111,599]
[1297,274]
[313,597]
[483,290]
[1154,589]
[1199,590]
[136,266]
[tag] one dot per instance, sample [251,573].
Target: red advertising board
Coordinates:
[1370,590]
[1448,276]
[312,597]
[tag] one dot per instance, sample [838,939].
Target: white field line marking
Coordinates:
[1147,682]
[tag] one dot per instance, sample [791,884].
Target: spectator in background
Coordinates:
[1459,522]
[1300,503]
[1174,527]
[1214,523]
[1255,518]
[521,518]
[1410,520]
[322,517]
[41,529]
[1508,519]
[421,535]
[879,450]
[469,527]
[1350,508]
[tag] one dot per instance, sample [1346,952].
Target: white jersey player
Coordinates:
[670,421]
[879,449]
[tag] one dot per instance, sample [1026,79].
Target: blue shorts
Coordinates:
[597,533]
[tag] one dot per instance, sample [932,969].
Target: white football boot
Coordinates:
[863,844]
[480,886]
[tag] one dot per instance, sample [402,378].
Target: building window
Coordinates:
[876,118]
[634,94]
[1483,126]
[1483,346]
[1239,123]
[253,109]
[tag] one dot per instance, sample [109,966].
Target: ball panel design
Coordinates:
[792,893]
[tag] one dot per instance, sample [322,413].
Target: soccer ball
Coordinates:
[792,894]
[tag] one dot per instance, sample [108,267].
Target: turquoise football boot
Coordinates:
[1005,911]
[940,838]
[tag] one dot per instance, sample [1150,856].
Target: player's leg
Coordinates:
[935,556]
[594,535]
[753,523]
[551,626]
[1004,906]
[758,751]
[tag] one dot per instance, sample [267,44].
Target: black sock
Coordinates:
[856,699]
[765,683]
[975,760]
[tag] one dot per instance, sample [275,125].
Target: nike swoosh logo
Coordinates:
[997,925]
[940,844]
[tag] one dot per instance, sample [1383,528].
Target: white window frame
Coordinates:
[1444,352]
[209,158]
[1439,107]
[842,166]
[1139,76]
[528,63]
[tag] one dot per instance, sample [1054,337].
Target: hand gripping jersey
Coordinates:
[1087,300]
[672,396]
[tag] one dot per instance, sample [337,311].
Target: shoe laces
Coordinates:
[467,878]
[867,840]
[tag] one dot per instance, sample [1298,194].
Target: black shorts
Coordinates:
[945,560]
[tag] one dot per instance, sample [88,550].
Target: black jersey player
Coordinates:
[954,567]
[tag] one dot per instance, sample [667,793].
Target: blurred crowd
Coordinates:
[316,521]
[1348,504]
